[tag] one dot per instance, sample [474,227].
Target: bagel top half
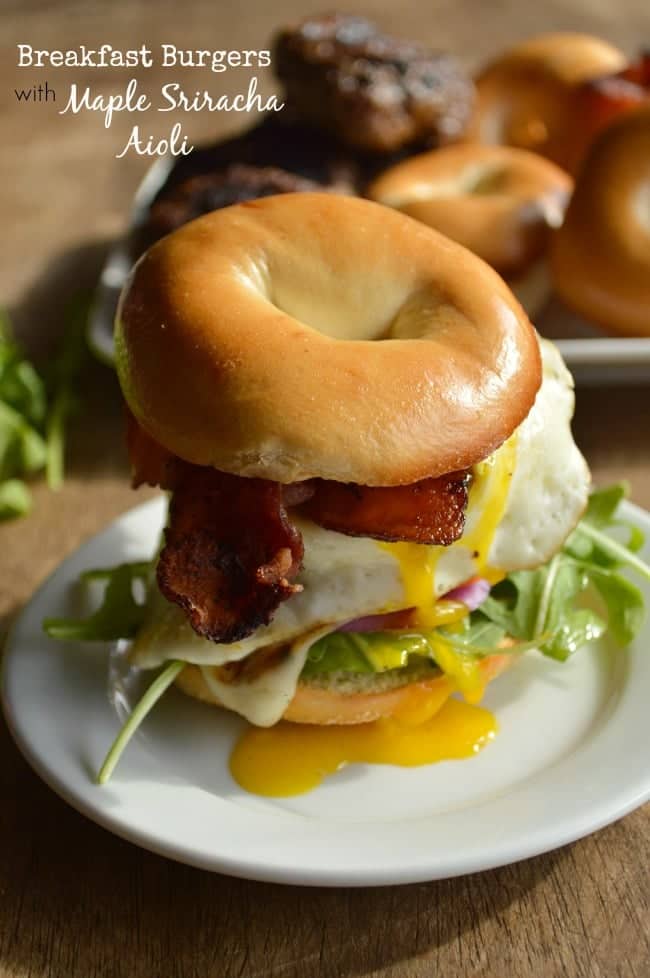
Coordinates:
[313,335]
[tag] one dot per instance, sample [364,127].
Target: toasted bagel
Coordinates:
[312,335]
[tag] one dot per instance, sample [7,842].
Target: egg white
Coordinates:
[345,577]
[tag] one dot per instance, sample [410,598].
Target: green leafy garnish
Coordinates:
[65,372]
[20,386]
[603,504]
[22,411]
[551,599]
[623,600]
[118,616]
[33,411]
[545,608]
[347,652]
[15,499]
[368,652]
[160,684]
[468,648]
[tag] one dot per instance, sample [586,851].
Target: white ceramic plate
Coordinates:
[571,757]
[592,357]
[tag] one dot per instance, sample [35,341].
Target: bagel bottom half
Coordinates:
[363,699]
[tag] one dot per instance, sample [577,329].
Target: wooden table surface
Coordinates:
[74,900]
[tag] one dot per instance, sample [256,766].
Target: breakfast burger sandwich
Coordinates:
[374,493]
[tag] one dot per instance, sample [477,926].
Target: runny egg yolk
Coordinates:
[292,758]
[487,502]
[429,726]
[488,496]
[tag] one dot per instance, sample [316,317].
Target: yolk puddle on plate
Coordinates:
[292,758]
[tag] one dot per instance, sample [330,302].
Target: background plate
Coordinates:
[571,757]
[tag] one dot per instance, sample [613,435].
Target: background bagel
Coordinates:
[498,201]
[264,318]
[529,96]
[601,255]
[603,99]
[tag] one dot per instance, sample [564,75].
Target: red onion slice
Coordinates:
[380,623]
[472,594]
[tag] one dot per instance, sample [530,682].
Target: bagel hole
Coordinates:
[328,298]
[490,180]
[475,179]
[339,308]
[414,317]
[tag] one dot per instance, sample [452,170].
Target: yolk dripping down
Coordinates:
[488,497]
[487,503]
[290,759]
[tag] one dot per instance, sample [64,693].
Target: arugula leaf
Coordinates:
[513,604]
[476,630]
[161,683]
[604,550]
[373,652]
[343,652]
[63,406]
[589,542]
[118,616]
[23,389]
[362,652]
[577,627]
[482,651]
[22,449]
[33,412]
[15,499]
[547,599]
[624,602]
[603,504]
[65,372]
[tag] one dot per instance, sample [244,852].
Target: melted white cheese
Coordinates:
[264,700]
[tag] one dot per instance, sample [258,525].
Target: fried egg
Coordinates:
[524,501]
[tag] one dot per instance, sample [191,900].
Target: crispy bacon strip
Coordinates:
[430,511]
[230,552]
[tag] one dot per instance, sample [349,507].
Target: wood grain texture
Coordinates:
[76,902]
